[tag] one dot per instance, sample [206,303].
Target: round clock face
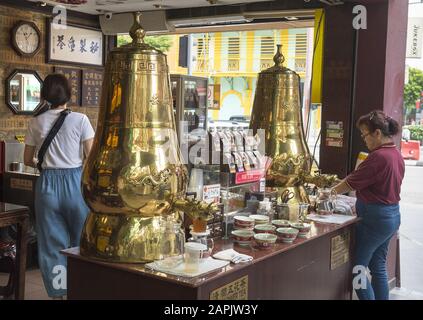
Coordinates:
[27,38]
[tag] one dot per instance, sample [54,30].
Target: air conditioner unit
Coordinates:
[152,21]
[209,20]
[332,2]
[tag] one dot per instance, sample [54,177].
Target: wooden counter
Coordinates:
[301,270]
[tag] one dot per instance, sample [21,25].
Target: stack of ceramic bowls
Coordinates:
[260,219]
[243,223]
[242,237]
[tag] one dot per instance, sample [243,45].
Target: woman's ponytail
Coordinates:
[393,126]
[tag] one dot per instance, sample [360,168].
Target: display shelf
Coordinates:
[189,95]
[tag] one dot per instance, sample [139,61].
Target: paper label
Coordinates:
[211,193]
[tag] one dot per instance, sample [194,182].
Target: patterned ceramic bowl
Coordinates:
[265,240]
[281,223]
[260,219]
[243,221]
[242,237]
[303,228]
[264,228]
[287,235]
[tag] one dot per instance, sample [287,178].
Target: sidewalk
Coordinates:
[414,163]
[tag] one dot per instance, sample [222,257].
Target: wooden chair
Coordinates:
[8,265]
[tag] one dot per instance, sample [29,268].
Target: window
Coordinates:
[267,51]
[233,53]
[202,54]
[300,52]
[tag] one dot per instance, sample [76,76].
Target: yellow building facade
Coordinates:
[232,60]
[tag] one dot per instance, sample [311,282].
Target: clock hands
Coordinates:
[26,35]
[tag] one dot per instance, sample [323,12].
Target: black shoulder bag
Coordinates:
[47,141]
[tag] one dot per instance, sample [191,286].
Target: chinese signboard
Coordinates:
[74,77]
[235,290]
[72,44]
[21,184]
[339,250]
[92,81]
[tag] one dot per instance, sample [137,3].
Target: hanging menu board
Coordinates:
[92,80]
[74,77]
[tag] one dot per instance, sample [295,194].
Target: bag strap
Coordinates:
[47,141]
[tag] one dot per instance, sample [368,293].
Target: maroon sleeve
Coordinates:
[365,175]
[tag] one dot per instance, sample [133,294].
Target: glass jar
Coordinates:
[325,201]
[302,212]
[172,243]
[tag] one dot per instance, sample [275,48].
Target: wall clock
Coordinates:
[26,38]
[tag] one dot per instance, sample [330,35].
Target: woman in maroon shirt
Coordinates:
[378,184]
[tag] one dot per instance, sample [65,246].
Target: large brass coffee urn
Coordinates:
[134,175]
[277,111]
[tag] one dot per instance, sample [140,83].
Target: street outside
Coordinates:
[411,230]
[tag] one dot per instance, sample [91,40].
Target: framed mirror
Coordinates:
[23,88]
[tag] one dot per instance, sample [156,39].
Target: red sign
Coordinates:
[249,176]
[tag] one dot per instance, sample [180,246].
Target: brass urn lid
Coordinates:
[278,68]
[137,45]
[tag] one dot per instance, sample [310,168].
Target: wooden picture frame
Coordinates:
[15,100]
[75,45]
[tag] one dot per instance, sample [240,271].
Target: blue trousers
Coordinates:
[60,212]
[373,234]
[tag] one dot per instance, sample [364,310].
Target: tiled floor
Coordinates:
[34,289]
[404,294]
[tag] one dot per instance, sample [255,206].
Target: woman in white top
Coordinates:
[60,209]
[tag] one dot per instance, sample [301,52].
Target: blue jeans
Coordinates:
[373,234]
[60,212]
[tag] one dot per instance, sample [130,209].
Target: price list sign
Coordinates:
[92,81]
[74,77]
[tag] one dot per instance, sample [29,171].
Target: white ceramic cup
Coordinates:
[193,253]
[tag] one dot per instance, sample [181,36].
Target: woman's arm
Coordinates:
[29,153]
[342,187]
[87,144]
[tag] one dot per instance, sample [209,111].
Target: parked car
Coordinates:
[240,118]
